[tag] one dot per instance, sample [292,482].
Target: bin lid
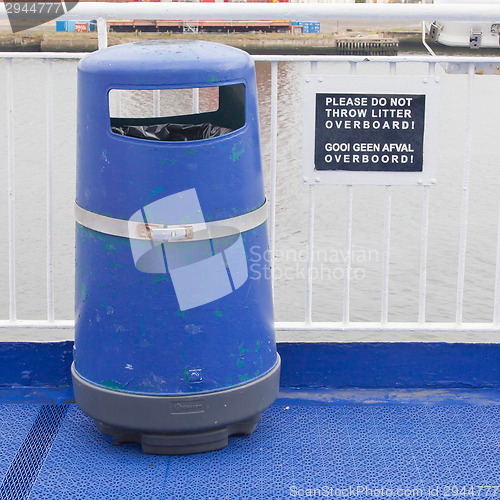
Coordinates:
[168,63]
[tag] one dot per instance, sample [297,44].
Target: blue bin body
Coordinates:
[131,334]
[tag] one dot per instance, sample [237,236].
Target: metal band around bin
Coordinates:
[171,233]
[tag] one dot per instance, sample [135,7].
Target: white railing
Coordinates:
[356,330]
[344,329]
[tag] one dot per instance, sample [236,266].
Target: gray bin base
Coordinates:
[179,444]
[175,425]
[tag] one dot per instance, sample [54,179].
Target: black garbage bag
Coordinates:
[172,131]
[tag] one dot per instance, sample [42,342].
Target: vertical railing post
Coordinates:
[424,243]
[50,151]
[387,247]
[465,197]
[384,314]
[348,239]
[348,256]
[310,255]
[196,101]
[156,102]
[102,33]
[496,301]
[424,240]
[11,192]
[273,160]
[310,240]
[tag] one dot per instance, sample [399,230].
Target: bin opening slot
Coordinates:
[177,114]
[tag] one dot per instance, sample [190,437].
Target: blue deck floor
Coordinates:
[390,447]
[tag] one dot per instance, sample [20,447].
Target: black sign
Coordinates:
[369,132]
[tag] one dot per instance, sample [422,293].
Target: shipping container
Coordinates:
[77,26]
[61,25]
[307,26]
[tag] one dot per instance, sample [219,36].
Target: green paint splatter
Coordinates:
[259,343]
[236,154]
[111,384]
[242,350]
[109,247]
[243,377]
[159,278]
[240,363]
[191,151]
[218,313]
[156,191]
[83,291]
[170,161]
[181,314]
[212,79]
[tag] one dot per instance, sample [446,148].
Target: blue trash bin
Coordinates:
[174,336]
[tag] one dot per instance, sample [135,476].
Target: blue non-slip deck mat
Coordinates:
[15,422]
[83,465]
[299,449]
[23,469]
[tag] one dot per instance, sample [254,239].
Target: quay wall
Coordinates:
[252,43]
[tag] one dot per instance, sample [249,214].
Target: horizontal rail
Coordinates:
[291,332]
[393,326]
[262,11]
[42,55]
[64,324]
[302,326]
[294,58]
[378,59]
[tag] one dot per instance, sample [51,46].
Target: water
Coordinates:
[292,199]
